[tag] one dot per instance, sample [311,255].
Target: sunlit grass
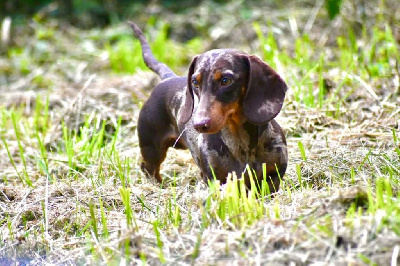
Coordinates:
[371,57]
[119,216]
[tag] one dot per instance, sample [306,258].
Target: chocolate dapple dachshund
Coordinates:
[223,111]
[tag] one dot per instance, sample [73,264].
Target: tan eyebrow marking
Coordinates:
[217,75]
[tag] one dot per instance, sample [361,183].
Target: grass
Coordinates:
[71,189]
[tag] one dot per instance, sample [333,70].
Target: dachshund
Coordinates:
[223,112]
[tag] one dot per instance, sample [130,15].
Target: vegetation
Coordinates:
[71,189]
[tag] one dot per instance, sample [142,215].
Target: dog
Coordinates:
[223,112]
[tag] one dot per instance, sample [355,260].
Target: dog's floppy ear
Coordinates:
[187,108]
[265,92]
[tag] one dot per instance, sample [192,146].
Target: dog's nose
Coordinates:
[202,125]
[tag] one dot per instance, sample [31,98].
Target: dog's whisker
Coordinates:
[177,139]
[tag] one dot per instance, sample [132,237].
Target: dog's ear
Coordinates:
[265,92]
[187,108]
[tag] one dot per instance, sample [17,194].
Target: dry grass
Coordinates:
[339,211]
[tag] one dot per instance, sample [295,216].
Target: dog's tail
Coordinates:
[151,62]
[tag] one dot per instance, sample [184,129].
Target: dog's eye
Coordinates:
[195,83]
[226,82]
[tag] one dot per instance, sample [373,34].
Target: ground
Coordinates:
[71,189]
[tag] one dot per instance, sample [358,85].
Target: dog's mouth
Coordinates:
[209,127]
[214,125]
[216,117]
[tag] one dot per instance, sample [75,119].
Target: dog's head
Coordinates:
[230,83]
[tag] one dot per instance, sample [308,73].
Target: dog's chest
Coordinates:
[239,145]
[248,146]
